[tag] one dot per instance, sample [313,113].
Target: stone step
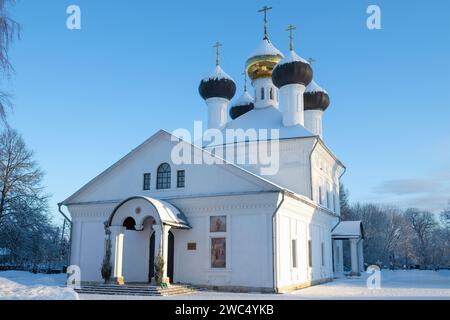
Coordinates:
[135,290]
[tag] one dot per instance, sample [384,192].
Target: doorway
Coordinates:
[170,257]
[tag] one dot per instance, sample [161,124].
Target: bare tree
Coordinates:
[9,30]
[422,224]
[344,202]
[20,177]
[445,218]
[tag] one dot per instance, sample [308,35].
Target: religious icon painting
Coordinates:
[218,253]
[218,224]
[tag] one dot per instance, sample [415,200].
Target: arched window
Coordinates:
[163,177]
[130,224]
[271,93]
[262,94]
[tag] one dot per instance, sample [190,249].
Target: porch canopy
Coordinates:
[141,208]
[346,230]
[354,232]
[144,212]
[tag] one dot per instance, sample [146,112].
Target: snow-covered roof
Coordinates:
[243,100]
[266,48]
[292,56]
[314,87]
[167,213]
[217,74]
[348,229]
[267,118]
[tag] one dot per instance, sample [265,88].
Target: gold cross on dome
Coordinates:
[265,9]
[291,28]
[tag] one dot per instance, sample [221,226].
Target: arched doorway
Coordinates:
[170,257]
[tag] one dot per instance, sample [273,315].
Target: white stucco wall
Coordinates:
[248,241]
[293,162]
[303,221]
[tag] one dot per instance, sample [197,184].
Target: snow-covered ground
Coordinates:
[19,285]
[413,284]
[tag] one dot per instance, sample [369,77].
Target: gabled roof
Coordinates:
[244,173]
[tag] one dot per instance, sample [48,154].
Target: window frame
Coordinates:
[310,256]
[147,181]
[320,195]
[294,253]
[181,180]
[322,253]
[164,178]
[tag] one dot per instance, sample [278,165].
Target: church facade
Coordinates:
[225,223]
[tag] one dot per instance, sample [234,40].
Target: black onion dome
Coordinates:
[217,85]
[315,98]
[243,105]
[292,69]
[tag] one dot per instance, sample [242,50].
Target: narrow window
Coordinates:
[328,200]
[334,202]
[294,253]
[130,224]
[310,253]
[147,179]
[322,252]
[271,93]
[320,195]
[164,176]
[262,94]
[181,176]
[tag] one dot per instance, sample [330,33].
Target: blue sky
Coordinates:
[83,99]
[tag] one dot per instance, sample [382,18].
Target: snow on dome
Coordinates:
[266,48]
[243,100]
[314,87]
[292,56]
[217,74]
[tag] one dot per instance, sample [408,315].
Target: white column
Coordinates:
[313,121]
[291,97]
[354,257]
[117,236]
[361,255]
[165,250]
[158,246]
[340,256]
[217,112]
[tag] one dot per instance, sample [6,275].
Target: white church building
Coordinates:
[219,222]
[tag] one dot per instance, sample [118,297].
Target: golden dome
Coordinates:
[262,62]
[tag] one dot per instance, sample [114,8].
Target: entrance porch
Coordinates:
[138,233]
